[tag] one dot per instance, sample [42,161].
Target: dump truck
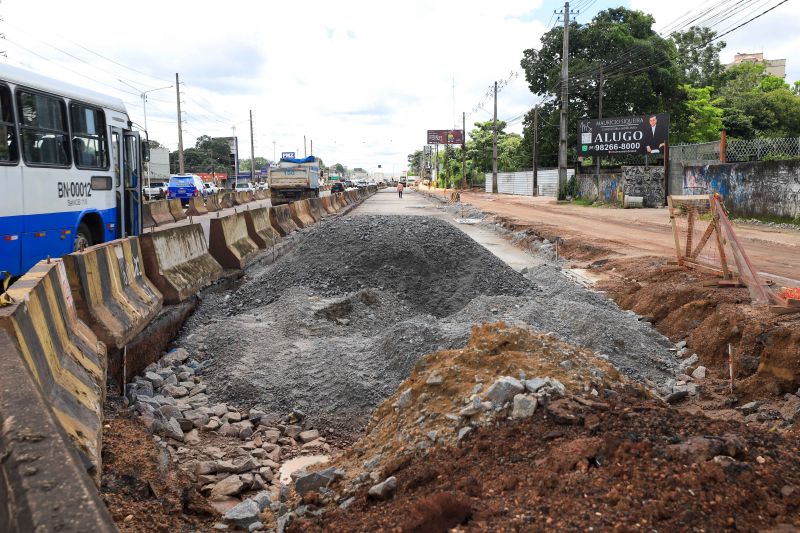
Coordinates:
[294,179]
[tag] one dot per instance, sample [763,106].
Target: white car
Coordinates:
[263,186]
[244,186]
[209,188]
[157,190]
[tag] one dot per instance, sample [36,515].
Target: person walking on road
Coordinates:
[400,189]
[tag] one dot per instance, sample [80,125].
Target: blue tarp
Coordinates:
[309,159]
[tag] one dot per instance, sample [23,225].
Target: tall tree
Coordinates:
[638,68]
[697,57]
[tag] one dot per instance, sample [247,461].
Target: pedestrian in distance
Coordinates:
[400,189]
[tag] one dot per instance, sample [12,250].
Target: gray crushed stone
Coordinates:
[333,327]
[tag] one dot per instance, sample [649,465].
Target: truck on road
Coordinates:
[294,179]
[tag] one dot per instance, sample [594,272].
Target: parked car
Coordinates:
[337,186]
[209,188]
[263,186]
[244,186]
[361,183]
[184,187]
[157,190]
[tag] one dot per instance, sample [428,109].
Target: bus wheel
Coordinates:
[83,239]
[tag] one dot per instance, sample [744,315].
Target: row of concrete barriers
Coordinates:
[161,212]
[68,315]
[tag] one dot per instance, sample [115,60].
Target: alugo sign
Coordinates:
[647,134]
[445,136]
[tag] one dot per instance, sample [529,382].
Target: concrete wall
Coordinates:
[749,189]
[647,182]
[611,186]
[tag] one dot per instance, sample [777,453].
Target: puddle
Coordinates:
[298,463]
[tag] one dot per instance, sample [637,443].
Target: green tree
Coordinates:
[704,117]
[415,163]
[639,68]
[260,162]
[697,58]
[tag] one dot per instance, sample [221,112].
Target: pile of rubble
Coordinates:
[228,454]
[503,373]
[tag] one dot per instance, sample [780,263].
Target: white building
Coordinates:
[775,67]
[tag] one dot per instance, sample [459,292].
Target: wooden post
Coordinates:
[675,230]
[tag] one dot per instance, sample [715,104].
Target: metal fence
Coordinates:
[739,150]
[521,183]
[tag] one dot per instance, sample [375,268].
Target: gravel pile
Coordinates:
[336,325]
[434,267]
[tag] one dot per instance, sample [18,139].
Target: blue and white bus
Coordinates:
[70,164]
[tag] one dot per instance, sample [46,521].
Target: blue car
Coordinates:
[184,187]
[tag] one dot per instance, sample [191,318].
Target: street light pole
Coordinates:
[143,96]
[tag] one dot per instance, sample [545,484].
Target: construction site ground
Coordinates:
[392,333]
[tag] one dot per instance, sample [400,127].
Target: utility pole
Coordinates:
[311,141]
[181,166]
[600,82]
[535,190]
[463,150]
[304,147]
[494,143]
[252,151]
[562,141]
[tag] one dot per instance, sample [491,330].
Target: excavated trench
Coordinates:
[335,325]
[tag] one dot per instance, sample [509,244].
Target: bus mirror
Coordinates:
[146,152]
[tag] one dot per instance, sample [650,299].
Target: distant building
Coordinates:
[775,67]
[359,174]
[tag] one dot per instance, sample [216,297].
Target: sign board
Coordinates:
[427,149]
[445,136]
[287,155]
[646,134]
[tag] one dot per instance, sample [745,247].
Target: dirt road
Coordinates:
[636,232]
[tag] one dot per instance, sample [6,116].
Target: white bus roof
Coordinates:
[73,92]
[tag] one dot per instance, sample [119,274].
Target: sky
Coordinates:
[362,80]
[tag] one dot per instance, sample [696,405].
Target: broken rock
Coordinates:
[503,390]
[383,491]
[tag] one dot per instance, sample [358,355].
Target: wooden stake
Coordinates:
[674,230]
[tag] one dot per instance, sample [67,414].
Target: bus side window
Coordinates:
[9,152]
[43,125]
[115,157]
[89,137]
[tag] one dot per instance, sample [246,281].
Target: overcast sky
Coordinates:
[363,80]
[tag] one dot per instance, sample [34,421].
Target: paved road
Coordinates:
[387,202]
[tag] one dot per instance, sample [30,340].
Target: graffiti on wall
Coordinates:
[749,189]
[647,182]
[610,188]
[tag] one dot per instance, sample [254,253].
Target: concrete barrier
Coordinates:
[147,216]
[300,214]
[213,203]
[102,287]
[63,355]
[337,202]
[227,200]
[281,218]
[196,207]
[178,263]
[259,228]
[316,209]
[327,205]
[176,209]
[229,243]
[44,485]
[159,212]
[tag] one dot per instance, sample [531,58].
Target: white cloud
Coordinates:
[364,80]
[776,34]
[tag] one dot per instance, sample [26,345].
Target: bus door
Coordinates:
[132,165]
[117,150]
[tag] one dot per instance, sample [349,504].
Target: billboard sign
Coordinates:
[647,134]
[445,136]
[287,155]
